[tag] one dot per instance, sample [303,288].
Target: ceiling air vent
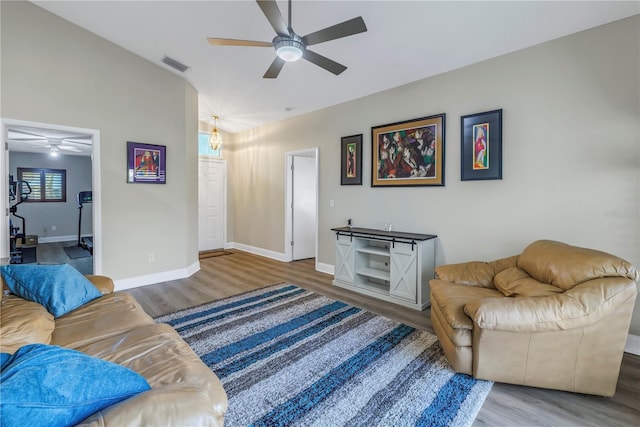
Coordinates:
[175,64]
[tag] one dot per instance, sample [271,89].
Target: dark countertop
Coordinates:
[363,232]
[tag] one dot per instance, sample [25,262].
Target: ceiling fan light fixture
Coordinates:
[215,139]
[289,49]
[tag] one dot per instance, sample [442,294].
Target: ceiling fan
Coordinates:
[290,46]
[52,144]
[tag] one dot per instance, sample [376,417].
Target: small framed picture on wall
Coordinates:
[481,149]
[146,163]
[351,160]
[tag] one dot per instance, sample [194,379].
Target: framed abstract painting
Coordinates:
[408,153]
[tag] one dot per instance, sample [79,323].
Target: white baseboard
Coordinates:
[633,345]
[325,268]
[278,256]
[55,239]
[151,279]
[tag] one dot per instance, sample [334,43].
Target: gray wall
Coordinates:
[55,72]
[571,157]
[64,216]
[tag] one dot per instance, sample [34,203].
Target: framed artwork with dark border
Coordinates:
[481,151]
[351,160]
[408,153]
[146,163]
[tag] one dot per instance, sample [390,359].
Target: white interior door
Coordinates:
[211,203]
[304,207]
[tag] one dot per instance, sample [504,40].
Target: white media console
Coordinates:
[389,265]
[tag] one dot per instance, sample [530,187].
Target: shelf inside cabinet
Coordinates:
[374,250]
[374,272]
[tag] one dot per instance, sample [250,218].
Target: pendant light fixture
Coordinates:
[215,139]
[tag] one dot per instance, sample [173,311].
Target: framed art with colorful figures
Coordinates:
[408,153]
[146,163]
[481,149]
[351,160]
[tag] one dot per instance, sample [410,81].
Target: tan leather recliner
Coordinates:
[556,316]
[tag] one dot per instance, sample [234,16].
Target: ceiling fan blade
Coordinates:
[274,68]
[22,135]
[78,141]
[28,141]
[324,62]
[272,12]
[344,29]
[68,148]
[235,42]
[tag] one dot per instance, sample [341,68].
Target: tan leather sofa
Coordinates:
[114,327]
[556,316]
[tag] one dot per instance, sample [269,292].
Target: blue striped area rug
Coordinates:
[291,357]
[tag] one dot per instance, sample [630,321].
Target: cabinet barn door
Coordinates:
[345,259]
[403,271]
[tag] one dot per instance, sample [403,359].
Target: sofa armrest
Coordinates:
[474,273]
[174,405]
[103,283]
[583,305]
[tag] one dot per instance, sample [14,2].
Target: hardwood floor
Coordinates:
[506,405]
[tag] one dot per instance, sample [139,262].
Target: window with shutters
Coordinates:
[47,185]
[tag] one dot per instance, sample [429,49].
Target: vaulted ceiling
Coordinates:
[406,41]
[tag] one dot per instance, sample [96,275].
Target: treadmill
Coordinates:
[84,242]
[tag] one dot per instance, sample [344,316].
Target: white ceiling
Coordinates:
[406,41]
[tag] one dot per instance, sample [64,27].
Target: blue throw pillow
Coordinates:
[59,288]
[48,386]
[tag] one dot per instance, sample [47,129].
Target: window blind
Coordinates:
[47,185]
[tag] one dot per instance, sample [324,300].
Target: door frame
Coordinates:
[288,203]
[223,162]
[96,185]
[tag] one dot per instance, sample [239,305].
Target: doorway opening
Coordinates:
[301,208]
[39,148]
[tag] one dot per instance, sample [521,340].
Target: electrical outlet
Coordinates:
[152,258]
[53,228]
